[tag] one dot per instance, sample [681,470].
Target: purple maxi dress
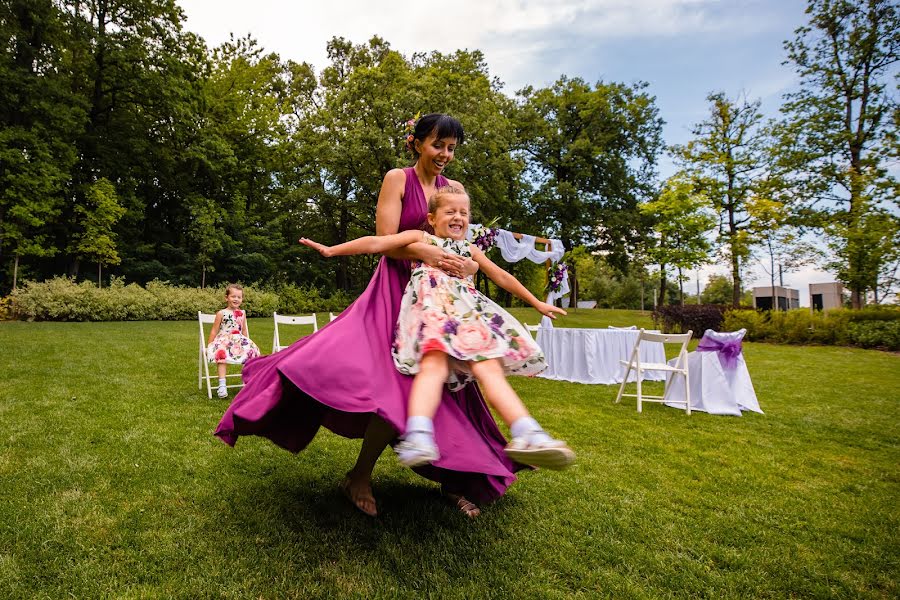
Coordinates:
[341,375]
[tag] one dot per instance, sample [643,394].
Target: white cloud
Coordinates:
[512,33]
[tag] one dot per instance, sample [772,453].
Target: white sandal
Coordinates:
[549,454]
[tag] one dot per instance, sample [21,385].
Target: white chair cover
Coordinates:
[716,389]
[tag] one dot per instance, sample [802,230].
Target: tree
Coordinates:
[39,117]
[728,159]
[98,215]
[719,290]
[681,220]
[781,242]
[590,155]
[206,233]
[838,131]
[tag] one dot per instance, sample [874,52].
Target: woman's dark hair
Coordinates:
[442,125]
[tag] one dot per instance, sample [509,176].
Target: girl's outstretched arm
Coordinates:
[370,244]
[512,285]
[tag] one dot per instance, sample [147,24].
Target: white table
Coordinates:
[593,355]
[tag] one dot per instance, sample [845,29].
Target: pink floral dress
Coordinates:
[230,345]
[448,314]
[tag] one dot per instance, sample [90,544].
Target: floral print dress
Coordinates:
[230,345]
[445,313]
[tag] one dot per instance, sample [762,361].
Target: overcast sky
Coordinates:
[684,49]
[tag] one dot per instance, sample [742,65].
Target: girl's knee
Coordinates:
[434,363]
[487,368]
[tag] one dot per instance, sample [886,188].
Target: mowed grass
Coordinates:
[113,486]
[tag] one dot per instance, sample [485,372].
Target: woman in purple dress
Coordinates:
[343,377]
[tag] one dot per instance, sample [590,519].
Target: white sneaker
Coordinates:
[222,391]
[549,453]
[413,454]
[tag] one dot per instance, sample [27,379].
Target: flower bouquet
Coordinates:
[555,275]
[483,236]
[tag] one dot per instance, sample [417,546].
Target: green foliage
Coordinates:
[875,334]
[727,161]
[98,215]
[867,328]
[840,131]
[295,300]
[589,153]
[61,299]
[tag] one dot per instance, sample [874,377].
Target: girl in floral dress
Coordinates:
[448,332]
[228,342]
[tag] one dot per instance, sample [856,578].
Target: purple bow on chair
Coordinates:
[728,351]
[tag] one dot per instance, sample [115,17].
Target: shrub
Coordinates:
[696,317]
[61,299]
[878,327]
[295,300]
[868,333]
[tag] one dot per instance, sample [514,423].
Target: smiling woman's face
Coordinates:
[435,153]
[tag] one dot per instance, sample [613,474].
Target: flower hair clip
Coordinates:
[409,129]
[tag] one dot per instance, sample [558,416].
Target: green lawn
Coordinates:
[113,486]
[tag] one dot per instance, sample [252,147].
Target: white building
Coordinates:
[768,298]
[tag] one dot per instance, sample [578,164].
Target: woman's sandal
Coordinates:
[364,501]
[462,504]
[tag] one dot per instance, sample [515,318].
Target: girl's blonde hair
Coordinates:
[233,286]
[434,202]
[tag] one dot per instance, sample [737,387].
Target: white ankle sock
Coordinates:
[221,382]
[419,430]
[530,429]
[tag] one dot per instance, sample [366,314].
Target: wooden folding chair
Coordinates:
[680,366]
[291,320]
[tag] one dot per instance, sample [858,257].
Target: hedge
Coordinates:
[61,299]
[876,327]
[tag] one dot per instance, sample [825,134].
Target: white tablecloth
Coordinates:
[715,389]
[593,355]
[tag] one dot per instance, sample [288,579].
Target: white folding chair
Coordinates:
[291,320]
[203,363]
[629,328]
[332,317]
[679,366]
[533,329]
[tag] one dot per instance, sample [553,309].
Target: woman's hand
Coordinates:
[470,267]
[322,248]
[548,310]
[451,264]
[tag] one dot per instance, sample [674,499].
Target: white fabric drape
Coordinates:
[513,250]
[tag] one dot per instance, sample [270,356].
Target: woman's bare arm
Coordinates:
[370,244]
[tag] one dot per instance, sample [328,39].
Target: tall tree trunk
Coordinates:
[99,275]
[203,278]
[15,271]
[680,287]
[662,285]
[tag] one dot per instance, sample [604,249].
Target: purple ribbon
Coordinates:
[728,351]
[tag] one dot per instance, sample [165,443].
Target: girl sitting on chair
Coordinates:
[229,343]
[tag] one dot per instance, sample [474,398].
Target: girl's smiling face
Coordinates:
[451,218]
[234,298]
